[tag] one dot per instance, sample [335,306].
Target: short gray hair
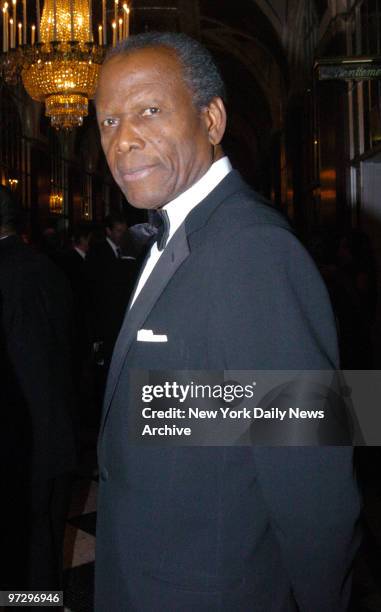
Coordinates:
[201,73]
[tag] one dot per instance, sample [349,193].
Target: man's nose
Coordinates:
[128,137]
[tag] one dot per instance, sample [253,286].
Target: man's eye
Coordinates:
[109,122]
[151,110]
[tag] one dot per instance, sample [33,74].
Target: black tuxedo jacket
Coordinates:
[36,397]
[233,529]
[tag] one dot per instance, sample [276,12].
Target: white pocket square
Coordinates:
[147,335]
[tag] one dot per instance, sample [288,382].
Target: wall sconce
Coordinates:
[56,203]
[13,183]
[86,212]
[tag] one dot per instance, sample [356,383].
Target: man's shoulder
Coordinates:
[231,208]
[28,270]
[245,225]
[17,257]
[247,205]
[246,212]
[250,207]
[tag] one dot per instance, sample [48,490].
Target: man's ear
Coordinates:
[215,117]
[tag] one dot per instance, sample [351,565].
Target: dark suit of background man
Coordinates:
[37,446]
[73,263]
[210,529]
[111,273]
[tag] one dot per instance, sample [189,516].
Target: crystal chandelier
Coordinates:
[60,63]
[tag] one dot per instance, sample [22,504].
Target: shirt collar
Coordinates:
[179,208]
[113,246]
[80,252]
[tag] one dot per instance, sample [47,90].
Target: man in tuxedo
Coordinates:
[37,444]
[226,286]
[107,250]
[111,273]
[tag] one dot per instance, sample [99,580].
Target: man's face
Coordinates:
[117,232]
[84,243]
[155,141]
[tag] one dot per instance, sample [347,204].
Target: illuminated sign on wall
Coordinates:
[348,68]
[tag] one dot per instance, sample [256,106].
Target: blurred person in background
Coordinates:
[37,441]
[111,269]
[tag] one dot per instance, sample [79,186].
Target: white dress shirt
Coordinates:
[114,247]
[80,252]
[179,208]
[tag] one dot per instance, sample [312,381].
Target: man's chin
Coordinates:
[146,201]
[143,204]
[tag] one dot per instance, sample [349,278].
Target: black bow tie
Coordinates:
[160,220]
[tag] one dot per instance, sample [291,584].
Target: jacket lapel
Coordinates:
[170,260]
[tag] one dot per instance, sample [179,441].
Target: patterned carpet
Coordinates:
[79,546]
